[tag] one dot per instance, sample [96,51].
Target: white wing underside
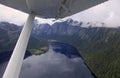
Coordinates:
[51,8]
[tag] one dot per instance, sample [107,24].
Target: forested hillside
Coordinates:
[99,46]
[9,34]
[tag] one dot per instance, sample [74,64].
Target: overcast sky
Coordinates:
[107,12]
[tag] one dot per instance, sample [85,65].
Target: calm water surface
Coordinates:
[61,61]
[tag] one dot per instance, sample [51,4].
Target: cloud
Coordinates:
[113,19]
[54,65]
[99,13]
[12,15]
[17,17]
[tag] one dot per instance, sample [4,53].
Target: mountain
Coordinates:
[99,46]
[9,34]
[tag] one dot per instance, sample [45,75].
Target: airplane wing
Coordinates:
[51,8]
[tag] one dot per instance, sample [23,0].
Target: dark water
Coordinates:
[61,61]
[4,57]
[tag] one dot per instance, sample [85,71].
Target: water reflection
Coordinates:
[4,57]
[59,62]
[2,68]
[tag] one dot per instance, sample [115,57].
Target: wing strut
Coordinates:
[14,66]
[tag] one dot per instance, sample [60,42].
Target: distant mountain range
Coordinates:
[99,46]
[9,34]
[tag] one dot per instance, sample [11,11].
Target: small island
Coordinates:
[39,51]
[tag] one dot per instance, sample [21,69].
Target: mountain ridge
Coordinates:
[99,46]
